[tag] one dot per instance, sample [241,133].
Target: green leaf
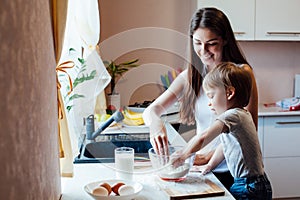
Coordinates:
[76,96]
[69,108]
[93,73]
[121,71]
[105,62]
[130,62]
[81,60]
[82,70]
[84,77]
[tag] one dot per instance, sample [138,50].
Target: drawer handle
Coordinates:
[284,123]
[239,33]
[284,33]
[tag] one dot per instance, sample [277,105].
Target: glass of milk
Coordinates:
[124,162]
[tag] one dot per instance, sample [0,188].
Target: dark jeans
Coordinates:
[225,178]
[253,188]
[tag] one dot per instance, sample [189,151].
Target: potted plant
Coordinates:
[115,70]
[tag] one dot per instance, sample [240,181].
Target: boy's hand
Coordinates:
[177,159]
[205,169]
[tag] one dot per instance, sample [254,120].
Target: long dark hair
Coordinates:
[217,22]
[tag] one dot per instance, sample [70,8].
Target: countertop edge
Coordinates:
[275,111]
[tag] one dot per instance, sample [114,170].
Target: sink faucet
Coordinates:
[91,134]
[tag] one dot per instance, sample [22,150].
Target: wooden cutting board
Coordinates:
[194,186]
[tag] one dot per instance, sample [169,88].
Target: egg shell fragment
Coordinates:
[107,187]
[126,190]
[115,188]
[100,191]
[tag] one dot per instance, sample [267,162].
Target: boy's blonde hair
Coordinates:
[227,75]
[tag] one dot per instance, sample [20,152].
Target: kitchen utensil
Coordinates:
[136,186]
[165,170]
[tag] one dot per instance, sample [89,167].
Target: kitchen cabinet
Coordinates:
[280,141]
[260,130]
[240,14]
[284,176]
[277,20]
[261,20]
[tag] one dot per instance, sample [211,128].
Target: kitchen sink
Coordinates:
[103,151]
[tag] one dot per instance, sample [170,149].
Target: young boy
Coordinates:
[228,87]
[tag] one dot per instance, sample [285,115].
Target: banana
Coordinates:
[133,122]
[133,115]
[133,118]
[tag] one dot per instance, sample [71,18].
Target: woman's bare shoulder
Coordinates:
[184,73]
[246,67]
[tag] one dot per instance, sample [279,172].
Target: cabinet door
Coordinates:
[284,176]
[260,131]
[277,20]
[281,136]
[240,14]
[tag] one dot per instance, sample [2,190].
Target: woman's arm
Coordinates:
[252,107]
[153,112]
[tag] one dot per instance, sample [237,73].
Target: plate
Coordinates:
[137,189]
[131,126]
[136,109]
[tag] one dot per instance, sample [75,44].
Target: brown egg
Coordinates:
[100,191]
[115,187]
[107,186]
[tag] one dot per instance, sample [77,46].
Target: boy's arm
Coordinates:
[202,159]
[215,160]
[200,141]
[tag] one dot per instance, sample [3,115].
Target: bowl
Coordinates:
[165,170]
[135,185]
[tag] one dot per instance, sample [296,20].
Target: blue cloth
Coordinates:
[253,188]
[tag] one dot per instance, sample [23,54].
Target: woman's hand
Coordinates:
[159,140]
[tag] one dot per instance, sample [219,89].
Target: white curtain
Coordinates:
[89,78]
[87,22]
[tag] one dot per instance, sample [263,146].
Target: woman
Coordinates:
[212,41]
